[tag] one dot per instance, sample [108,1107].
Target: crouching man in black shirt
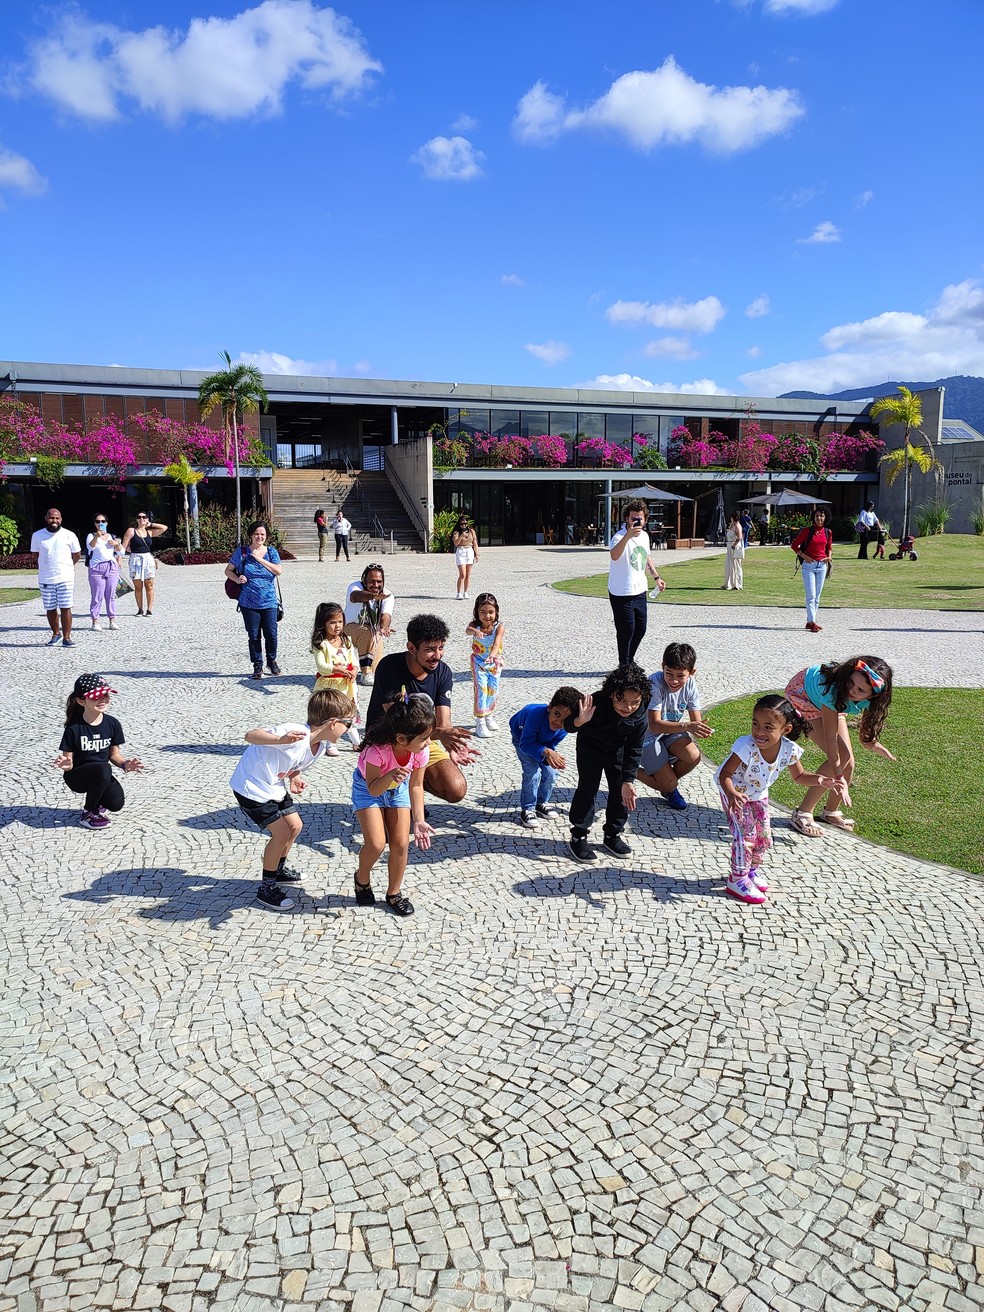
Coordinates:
[610,743]
[420,670]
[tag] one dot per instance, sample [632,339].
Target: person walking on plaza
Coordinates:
[867,526]
[813,546]
[735,542]
[256,569]
[321,524]
[464,539]
[90,747]
[58,553]
[627,586]
[341,528]
[368,619]
[139,541]
[103,552]
[745,520]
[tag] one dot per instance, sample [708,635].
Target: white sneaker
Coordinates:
[465,595]
[745,891]
[758,879]
[547,812]
[354,737]
[528,820]
[481,729]
[95,625]
[491,724]
[113,624]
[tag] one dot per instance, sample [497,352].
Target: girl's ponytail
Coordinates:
[73,709]
[775,701]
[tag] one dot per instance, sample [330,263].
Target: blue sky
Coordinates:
[736,195]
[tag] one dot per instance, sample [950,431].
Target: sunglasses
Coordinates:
[100,521]
[348,723]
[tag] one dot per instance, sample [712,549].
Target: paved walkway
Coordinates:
[553,1087]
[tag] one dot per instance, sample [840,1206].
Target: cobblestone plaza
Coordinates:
[574,1088]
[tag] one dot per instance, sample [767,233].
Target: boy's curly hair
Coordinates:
[569,697]
[628,677]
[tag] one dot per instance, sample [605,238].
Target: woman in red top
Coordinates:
[812,546]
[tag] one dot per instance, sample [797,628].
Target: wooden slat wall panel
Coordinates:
[73,408]
[51,406]
[115,406]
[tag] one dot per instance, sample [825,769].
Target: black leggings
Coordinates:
[590,768]
[98,783]
[630,617]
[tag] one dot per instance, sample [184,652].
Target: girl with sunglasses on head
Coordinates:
[103,554]
[388,795]
[487,635]
[464,539]
[90,747]
[138,542]
[825,695]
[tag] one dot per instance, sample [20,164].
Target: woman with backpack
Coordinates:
[813,546]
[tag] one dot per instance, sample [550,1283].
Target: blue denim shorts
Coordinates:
[362,799]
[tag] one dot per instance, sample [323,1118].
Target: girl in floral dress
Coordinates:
[487,634]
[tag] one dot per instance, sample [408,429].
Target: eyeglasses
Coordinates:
[141,517]
[348,723]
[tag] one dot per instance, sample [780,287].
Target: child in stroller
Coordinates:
[906,547]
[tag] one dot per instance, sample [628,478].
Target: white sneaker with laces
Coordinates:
[745,891]
[95,625]
[491,725]
[113,624]
[528,820]
[481,729]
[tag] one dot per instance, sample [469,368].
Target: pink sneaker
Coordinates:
[758,879]
[745,891]
[331,749]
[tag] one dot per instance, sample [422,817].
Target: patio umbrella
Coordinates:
[783,498]
[648,493]
[719,520]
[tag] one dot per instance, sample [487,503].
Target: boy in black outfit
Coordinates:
[610,743]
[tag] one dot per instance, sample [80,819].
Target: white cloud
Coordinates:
[865,198]
[449,159]
[464,123]
[948,339]
[802,196]
[271,362]
[550,352]
[807,7]
[753,352]
[674,348]
[758,308]
[824,232]
[663,106]
[683,316]
[632,383]
[19,174]
[223,68]
[512,280]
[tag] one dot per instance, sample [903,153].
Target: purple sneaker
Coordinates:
[93,820]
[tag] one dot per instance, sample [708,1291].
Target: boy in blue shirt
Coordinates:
[669,751]
[537,730]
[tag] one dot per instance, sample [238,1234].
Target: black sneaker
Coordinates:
[399,905]
[364,896]
[275,898]
[616,844]
[257,672]
[273,667]
[288,876]
[580,850]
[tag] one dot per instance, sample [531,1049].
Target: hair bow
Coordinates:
[876,681]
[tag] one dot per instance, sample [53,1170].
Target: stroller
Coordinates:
[906,547]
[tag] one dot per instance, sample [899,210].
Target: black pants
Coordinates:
[590,768]
[99,784]
[865,535]
[341,544]
[630,617]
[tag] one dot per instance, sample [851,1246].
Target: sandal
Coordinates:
[838,819]
[804,823]
[399,905]
[364,896]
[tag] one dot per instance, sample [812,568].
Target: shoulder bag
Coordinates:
[232,586]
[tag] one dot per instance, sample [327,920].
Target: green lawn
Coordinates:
[928,802]
[8,595]
[949,575]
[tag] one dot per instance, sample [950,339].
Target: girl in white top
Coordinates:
[464,539]
[627,588]
[757,760]
[105,552]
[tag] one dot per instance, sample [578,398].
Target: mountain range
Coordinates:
[964,397]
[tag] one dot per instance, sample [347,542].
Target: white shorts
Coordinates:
[142,565]
[464,556]
[57,596]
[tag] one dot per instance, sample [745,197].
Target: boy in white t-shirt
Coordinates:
[669,751]
[258,783]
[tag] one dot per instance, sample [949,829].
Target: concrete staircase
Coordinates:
[366,499]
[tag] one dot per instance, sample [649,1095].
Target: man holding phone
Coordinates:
[627,587]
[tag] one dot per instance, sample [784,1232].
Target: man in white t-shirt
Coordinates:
[58,553]
[627,588]
[368,619]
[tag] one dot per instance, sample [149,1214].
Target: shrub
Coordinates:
[9,536]
[50,471]
[609,453]
[648,454]
[933,516]
[217,528]
[550,448]
[175,556]
[977,518]
[444,525]
[22,560]
[795,452]
[839,451]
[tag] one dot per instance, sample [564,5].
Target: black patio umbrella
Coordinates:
[784,498]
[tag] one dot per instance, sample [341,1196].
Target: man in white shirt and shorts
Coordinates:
[58,553]
[368,618]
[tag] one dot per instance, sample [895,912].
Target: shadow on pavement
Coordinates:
[588,882]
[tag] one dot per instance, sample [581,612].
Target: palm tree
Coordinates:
[905,409]
[239,390]
[186,477]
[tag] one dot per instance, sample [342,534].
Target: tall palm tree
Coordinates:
[239,390]
[904,409]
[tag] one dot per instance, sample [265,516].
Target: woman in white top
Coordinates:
[104,552]
[341,529]
[735,541]
[464,539]
[627,587]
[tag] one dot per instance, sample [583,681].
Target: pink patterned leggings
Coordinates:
[751,835]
